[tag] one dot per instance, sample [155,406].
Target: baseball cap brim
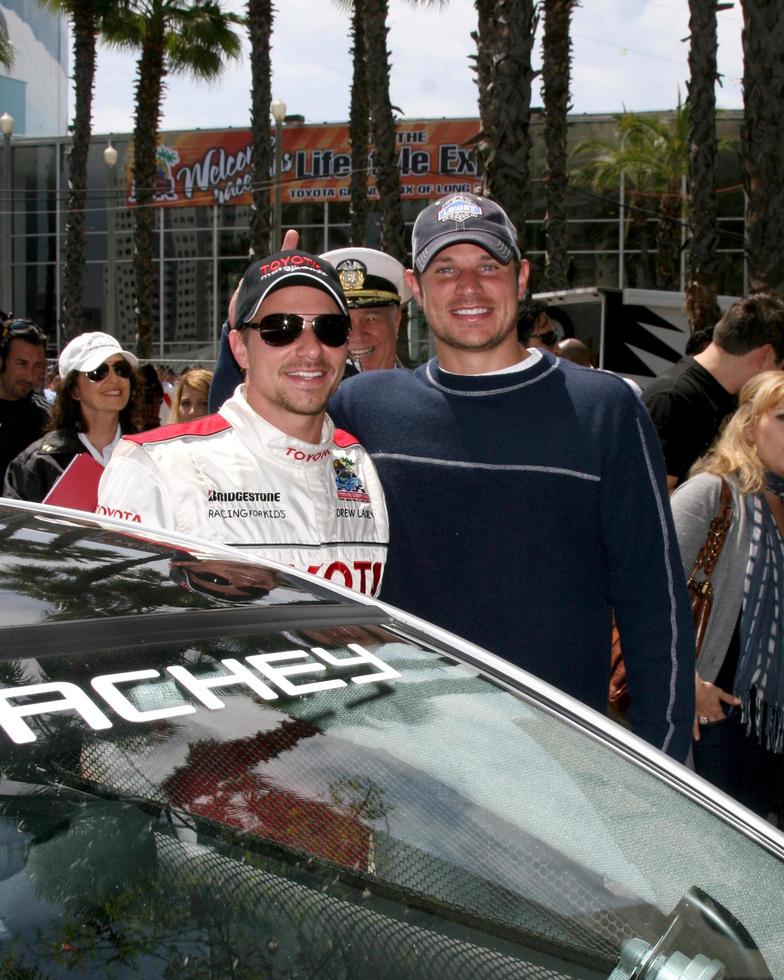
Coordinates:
[291,267]
[245,313]
[98,357]
[496,246]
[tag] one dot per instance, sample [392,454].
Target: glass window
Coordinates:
[312,239]
[34,295]
[187,296]
[584,202]
[339,237]
[536,263]
[229,274]
[339,212]
[34,188]
[299,215]
[731,234]
[731,273]
[235,216]
[183,240]
[598,269]
[296,781]
[185,219]
[534,236]
[594,236]
[95,245]
[635,229]
[95,297]
[234,243]
[639,272]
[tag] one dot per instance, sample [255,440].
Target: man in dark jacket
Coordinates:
[23,413]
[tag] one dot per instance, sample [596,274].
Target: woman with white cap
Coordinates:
[96,404]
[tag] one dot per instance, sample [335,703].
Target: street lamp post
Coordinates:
[7,128]
[110,159]
[278,110]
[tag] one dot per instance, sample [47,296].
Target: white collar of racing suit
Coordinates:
[264,439]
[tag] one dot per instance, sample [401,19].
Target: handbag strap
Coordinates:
[717,533]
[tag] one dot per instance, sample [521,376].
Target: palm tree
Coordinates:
[609,163]
[382,124]
[6,47]
[556,69]
[359,126]
[703,258]
[504,38]
[372,112]
[260,18]
[194,36]
[668,146]
[86,18]
[652,156]
[763,143]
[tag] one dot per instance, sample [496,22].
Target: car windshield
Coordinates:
[309,788]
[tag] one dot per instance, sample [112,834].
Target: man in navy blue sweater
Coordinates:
[526,495]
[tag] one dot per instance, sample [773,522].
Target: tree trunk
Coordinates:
[84,33]
[638,219]
[702,258]
[383,130]
[556,68]
[260,18]
[762,138]
[359,128]
[505,39]
[668,239]
[483,68]
[150,74]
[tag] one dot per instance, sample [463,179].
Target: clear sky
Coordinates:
[628,54]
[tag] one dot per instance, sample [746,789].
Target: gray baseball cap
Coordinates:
[463,218]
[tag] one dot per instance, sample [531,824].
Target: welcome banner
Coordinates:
[215,167]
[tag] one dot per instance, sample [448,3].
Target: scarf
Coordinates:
[759,678]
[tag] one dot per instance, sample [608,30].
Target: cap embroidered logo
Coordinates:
[459,209]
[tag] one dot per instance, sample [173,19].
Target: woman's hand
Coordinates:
[709,700]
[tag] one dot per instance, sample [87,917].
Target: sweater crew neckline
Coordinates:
[489,384]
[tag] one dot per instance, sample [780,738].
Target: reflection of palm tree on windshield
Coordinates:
[111,911]
[221,781]
[68,579]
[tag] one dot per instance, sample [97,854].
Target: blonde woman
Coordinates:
[190,396]
[739,725]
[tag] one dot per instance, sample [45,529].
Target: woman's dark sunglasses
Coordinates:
[281,329]
[121,368]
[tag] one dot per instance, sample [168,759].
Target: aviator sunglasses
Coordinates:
[122,369]
[282,329]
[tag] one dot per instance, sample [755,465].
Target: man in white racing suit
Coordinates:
[269,474]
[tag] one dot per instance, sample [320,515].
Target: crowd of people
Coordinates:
[97,393]
[505,490]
